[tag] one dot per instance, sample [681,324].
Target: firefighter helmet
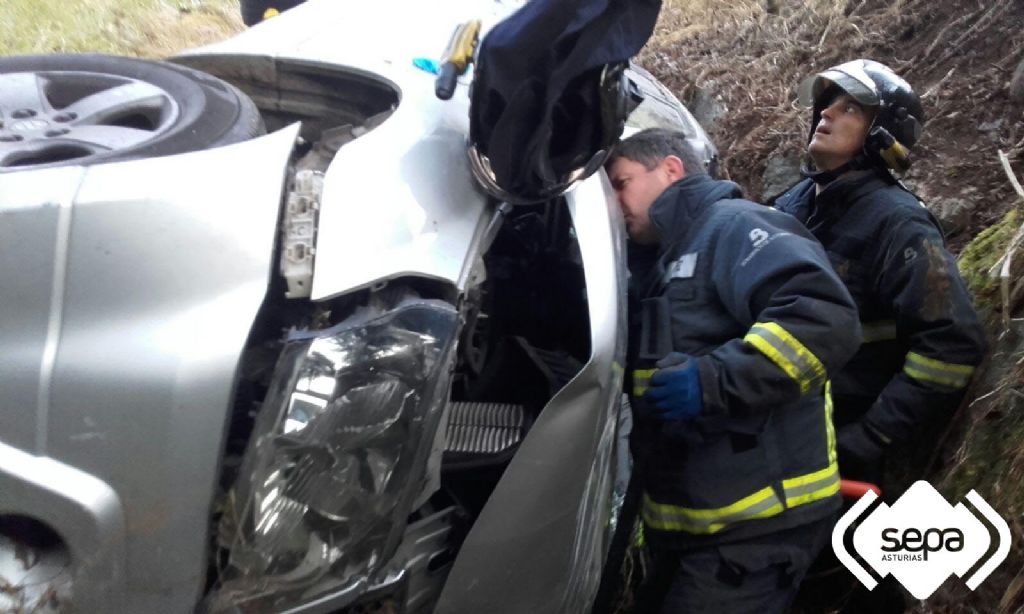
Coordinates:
[898,118]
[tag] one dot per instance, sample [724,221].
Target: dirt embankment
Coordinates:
[959,57]
[742,62]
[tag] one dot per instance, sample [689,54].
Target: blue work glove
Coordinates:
[674,392]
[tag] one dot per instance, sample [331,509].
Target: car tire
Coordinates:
[254,10]
[61,109]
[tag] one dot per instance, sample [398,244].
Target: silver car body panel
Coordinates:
[661,109]
[400,200]
[131,289]
[536,543]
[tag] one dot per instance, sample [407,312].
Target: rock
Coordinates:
[707,109]
[1017,84]
[954,213]
[780,173]
[992,126]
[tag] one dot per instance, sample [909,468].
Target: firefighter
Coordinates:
[740,322]
[921,336]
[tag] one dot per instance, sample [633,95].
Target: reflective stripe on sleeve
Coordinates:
[788,354]
[641,381]
[935,372]
[882,330]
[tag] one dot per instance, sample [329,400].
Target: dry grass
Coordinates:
[751,59]
[145,28]
[753,54]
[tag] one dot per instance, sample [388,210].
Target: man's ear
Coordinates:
[674,168]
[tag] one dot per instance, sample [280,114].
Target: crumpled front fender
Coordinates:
[130,292]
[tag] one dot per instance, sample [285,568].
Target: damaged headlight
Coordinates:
[338,454]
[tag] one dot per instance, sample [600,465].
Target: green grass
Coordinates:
[147,28]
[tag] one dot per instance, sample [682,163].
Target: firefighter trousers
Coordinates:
[759,575]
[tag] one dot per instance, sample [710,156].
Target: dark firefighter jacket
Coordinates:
[750,293]
[922,339]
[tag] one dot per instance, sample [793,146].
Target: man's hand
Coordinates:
[860,453]
[675,392]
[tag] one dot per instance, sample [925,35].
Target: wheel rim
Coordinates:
[50,117]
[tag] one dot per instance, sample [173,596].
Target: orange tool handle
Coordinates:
[852,489]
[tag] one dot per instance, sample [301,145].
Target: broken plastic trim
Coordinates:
[299,233]
[338,453]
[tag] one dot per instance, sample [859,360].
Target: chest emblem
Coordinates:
[683,268]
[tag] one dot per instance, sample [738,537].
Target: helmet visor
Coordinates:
[849,77]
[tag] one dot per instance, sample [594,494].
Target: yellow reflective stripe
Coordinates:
[712,513]
[641,381]
[810,478]
[830,428]
[829,489]
[798,490]
[774,355]
[812,486]
[761,504]
[788,354]
[707,529]
[944,381]
[933,371]
[882,330]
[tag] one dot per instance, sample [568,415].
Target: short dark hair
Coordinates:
[649,147]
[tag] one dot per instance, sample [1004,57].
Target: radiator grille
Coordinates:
[484,428]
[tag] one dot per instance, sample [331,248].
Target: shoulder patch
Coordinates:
[682,268]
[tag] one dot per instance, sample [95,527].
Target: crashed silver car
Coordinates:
[268,345]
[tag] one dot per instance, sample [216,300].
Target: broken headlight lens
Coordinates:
[338,453]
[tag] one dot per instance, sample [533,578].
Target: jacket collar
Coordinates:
[849,188]
[684,201]
[819,210]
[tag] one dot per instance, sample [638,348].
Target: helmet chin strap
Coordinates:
[823,178]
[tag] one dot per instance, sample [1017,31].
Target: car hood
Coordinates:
[402,193]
